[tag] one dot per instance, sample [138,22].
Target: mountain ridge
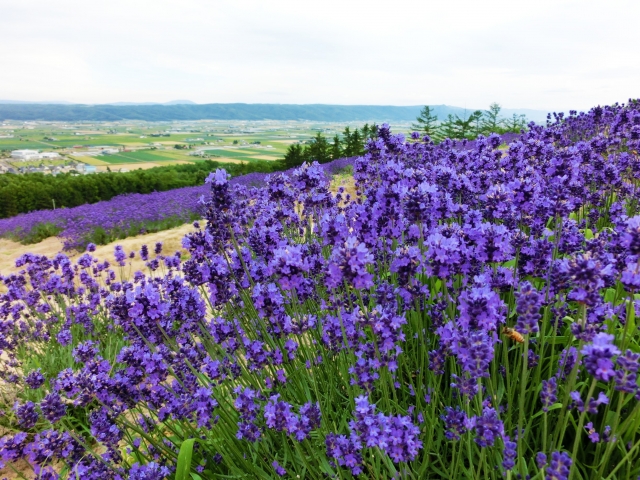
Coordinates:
[232,111]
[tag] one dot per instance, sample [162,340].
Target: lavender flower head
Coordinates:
[559,467]
[598,357]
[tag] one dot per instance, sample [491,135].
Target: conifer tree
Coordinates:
[465,126]
[427,122]
[448,128]
[491,120]
[336,148]
[294,156]
[516,123]
[319,149]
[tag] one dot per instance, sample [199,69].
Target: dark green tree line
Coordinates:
[319,149]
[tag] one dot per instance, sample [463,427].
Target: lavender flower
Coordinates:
[509,454]
[349,263]
[598,355]
[559,466]
[488,427]
[548,394]
[528,304]
[35,379]
[278,469]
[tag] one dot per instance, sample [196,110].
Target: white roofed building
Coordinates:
[25,155]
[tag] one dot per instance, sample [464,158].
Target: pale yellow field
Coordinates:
[228,160]
[266,157]
[128,166]
[171,239]
[135,166]
[89,160]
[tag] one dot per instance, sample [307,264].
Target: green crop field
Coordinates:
[214,138]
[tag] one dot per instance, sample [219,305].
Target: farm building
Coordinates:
[25,155]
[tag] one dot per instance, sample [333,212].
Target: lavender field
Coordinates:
[469,314]
[124,215]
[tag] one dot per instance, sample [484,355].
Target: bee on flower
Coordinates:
[513,334]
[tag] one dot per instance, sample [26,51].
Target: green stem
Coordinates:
[523,391]
[614,427]
[576,442]
[624,461]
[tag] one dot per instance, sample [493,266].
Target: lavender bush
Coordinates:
[124,215]
[319,336]
[102,222]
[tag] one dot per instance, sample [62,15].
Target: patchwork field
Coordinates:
[141,144]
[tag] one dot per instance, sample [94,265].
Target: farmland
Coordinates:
[150,144]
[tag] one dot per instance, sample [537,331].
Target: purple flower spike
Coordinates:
[598,357]
[279,470]
[548,394]
[559,467]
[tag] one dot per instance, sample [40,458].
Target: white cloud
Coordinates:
[545,54]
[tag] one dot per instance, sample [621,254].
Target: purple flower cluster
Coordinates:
[294,301]
[598,357]
[396,436]
[559,466]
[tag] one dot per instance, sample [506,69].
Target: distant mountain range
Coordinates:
[62,102]
[187,110]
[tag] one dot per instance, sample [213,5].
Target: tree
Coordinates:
[427,122]
[459,128]
[319,149]
[294,156]
[336,148]
[448,128]
[465,125]
[516,123]
[369,132]
[353,143]
[491,121]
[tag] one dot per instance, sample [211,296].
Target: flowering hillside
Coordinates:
[470,314]
[124,215]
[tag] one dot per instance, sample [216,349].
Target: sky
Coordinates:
[548,55]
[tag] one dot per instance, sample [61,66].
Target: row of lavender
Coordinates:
[470,314]
[125,213]
[120,214]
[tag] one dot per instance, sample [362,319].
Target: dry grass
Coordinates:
[171,240]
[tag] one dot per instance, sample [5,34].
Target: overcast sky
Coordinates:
[550,55]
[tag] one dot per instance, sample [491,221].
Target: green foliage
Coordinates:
[427,123]
[99,236]
[491,121]
[515,123]
[40,232]
[336,147]
[320,150]
[35,191]
[468,127]
[294,156]
[462,127]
